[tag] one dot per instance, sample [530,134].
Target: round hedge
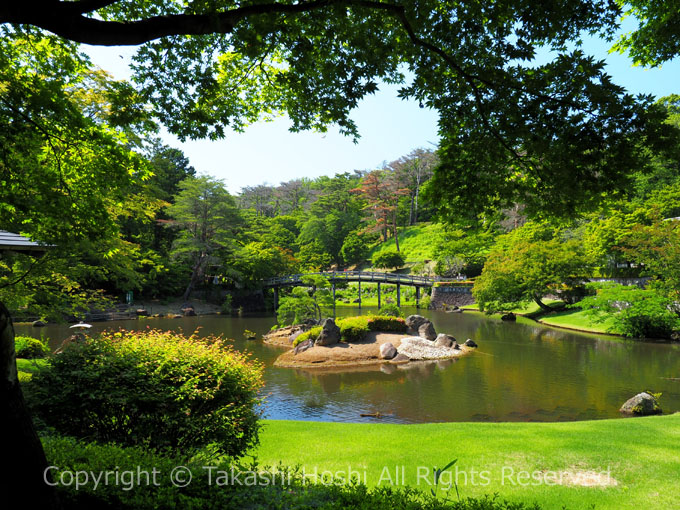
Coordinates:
[30,348]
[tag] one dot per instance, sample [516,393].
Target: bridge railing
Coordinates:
[364,276]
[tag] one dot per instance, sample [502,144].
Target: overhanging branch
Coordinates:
[66,20]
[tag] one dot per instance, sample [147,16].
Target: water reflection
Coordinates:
[520,372]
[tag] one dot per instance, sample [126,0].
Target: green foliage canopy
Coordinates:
[559,132]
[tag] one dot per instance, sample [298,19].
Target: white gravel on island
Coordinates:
[418,348]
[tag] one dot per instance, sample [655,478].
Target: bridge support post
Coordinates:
[417,297]
[398,294]
[378,295]
[359,293]
[333,299]
[276,298]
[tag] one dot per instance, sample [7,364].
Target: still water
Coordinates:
[520,372]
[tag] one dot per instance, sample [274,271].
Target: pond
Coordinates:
[520,372]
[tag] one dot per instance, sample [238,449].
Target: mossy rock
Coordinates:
[642,404]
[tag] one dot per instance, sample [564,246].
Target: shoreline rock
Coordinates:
[642,404]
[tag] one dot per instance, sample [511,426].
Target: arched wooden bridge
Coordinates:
[353,276]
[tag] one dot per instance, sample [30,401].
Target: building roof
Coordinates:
[16,242]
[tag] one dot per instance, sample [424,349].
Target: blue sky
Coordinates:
[390,127]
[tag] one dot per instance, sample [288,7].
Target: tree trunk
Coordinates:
[23,458]
[396,234]
[411,215]
[194,278]
[541,304]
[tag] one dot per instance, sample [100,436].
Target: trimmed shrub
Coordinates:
[387,259]
[30,348]
[280,488]
[155,389]
[391,324]
[353,329]
[312,333]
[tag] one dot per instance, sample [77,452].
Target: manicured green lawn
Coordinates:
[30,365]
[373,302]
[576,319]
[570,319]
[641,454]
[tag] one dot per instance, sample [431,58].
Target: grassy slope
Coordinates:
[416,243]
[643,455]
[571,319]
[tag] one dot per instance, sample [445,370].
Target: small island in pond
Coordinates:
[364,340]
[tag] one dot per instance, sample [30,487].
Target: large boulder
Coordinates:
[330,333]
[426,330]
[415,321]
[189,312]
[387,351]
[38,324]
[642,404]
[444,340]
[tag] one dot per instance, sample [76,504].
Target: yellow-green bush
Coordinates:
[30,348]
[154,389]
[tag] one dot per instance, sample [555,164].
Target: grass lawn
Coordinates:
[569,319]
[30,365]
[641,454]
[576,319]
[373,302]
[416,243]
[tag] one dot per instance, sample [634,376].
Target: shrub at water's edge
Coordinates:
[30,348]
[154,389]
[632,311]
[354,329]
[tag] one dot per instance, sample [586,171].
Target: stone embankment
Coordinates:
[451,296]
